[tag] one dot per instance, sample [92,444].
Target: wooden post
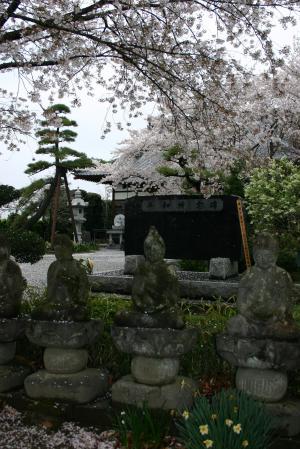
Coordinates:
[239,205]
[70,207]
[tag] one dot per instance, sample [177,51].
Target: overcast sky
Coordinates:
[90,117]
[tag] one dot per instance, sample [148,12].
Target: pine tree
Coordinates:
[53,136]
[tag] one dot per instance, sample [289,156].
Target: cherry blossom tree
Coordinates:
[263,123]
[138,50]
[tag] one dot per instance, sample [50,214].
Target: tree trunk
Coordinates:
[70,207]
[55,208]
[44,205]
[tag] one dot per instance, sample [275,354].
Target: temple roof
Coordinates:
[138,172]
[96,173]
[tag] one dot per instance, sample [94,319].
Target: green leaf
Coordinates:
[38,184]
[59,107]
[37,167]
[167,171]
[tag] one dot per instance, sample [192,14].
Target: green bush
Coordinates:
[231,419]
[26,246]
[193,265]
[85,247]
[273,205]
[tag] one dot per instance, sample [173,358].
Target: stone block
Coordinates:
[7,352]
[285,330]
[259,353]
[80,387]
[64,361]
[266,385]
[178,395]
[153,371]
[286,416]
[12,376]
[154,342]
[174,264]
[11,329]
[63,334]
[222,268]
[162,319]
[131,263]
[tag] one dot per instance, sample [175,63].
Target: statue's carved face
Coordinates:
[154,247]
[62,252]
[4,253]
[155,252]
[265,257]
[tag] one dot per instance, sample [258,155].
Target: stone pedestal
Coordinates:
[222,268]
[177,395]
[115,233]
[266,385]
[262,366]
[11,375]
[66,376]
[154,368]
[286,415]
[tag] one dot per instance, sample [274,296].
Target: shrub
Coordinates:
[85,247]
[193,265]
[26,246]
[231,419]
[273,204]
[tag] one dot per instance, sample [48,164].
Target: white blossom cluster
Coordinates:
[171,51]
[14,433]
[261,122]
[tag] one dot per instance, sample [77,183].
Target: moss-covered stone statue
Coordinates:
[67,286]
[155,289]
[12,282]
[154,334]
[265,295]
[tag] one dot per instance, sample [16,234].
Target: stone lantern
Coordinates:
[78,206]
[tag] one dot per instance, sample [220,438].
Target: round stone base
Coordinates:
[7,352]
[152,371]
[266,385]
[80,387]
[178,395]
[65,361]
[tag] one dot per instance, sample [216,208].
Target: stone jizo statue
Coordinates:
[67,286]
[155,289]
[119,221]
[155,285]
[265,294]
[12,282]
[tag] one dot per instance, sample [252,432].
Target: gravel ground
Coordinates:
[104,260]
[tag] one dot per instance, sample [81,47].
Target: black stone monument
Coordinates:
[192,227]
